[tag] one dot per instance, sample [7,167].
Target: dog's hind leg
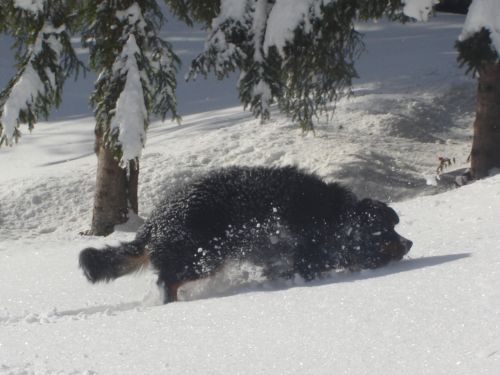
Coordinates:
[163,291]
[168,292]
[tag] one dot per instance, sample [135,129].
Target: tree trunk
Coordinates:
[485,154]
[133,185]
[116,191]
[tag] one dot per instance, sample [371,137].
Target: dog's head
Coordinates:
[375,242]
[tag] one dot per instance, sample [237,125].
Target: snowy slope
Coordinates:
[436,312]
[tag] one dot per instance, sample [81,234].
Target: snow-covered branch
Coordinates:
[419,9]
[33,6]
[483,14]
[140,81]
[34,87]
[130,115]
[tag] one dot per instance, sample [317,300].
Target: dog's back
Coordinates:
[254,213]
[236,195]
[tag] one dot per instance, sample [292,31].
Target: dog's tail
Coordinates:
[113,261]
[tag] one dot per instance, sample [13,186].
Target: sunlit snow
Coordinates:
[437,312]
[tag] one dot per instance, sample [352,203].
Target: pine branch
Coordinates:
[37,86]
[133,62]
[476,52]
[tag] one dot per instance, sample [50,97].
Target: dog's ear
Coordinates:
[369,209]
[392,216]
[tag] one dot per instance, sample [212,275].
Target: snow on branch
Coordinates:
[234,9]
[130,115]
[33,6]
[483,14]
[132,16]
[29,92]
[275,23]
[419,9]
[21,98]
[284,18]
[296,52]
[140,81]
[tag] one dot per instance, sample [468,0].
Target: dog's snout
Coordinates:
[398,248]
[407,244]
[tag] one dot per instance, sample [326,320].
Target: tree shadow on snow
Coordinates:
[382,177]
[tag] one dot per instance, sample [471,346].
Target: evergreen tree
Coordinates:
[45,58]
[191,11]
[299,54]
[137,72]
[136,78]
[479,46]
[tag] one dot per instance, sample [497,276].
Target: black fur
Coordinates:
[112,262]
[282,219]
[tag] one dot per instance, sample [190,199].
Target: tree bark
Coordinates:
[116,191]
[133,186]
[485,154]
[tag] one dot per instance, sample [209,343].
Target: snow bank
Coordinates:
[437,312]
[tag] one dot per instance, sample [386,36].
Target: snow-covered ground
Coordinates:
[435,312]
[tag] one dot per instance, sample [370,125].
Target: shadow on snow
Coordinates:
[212,291]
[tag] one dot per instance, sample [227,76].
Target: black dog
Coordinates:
[281,219]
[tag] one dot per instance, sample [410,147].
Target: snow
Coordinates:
[133,16]
[258,27]
[33,6]
[483,13]
[28,87]
[130,115]
[262,89]
[435,312]
[419,9]
[284,18]
[22,95]
[234,9]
